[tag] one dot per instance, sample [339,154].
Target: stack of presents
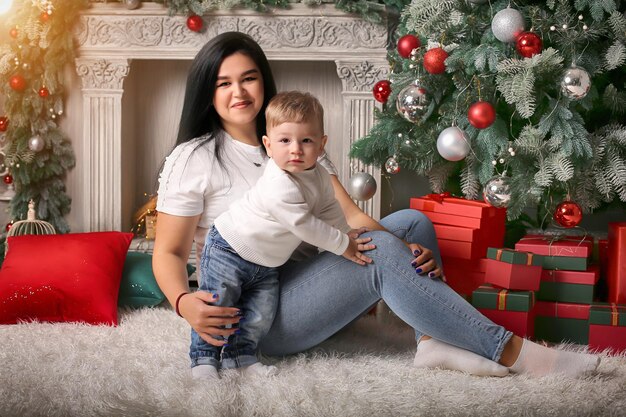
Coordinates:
[547,288]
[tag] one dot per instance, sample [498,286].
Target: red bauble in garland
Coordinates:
[568,214]
[43,92]
[13,33]
[17,83]
[434,61]
[8,179]
[528,44]
[381,91]
[44,17]
[195,23]
[406,44]
[481,114]
[8,226]
[4,123]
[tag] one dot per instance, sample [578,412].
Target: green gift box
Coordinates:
[606,314]
[511,256]
[565,292]
[565,262]
[562,322]
[492,298]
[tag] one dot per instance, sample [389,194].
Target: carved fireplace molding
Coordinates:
[110,37]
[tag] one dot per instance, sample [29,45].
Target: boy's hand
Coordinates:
[352,253]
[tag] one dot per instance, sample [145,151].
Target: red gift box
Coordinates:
[454,211]
[562,310]
[616,267]
[575,246]
[588,277]
[475,265]
[521,323]
[463,281]
[463,250]
[607,328]
[513,276]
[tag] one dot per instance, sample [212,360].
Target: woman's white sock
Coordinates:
[259,369]
[205,372]
[434,353]
[538,360]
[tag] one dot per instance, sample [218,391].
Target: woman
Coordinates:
[218,157]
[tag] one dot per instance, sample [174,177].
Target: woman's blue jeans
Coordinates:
[321,295]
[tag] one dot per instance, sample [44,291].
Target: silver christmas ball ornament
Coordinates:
[507,24]
[414,103]
[362,186]
[453,144]
[132,4]
[36,143]
[575,83]
[392,166]
[497,191]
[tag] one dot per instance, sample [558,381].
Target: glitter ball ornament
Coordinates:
[453,144]
[575,83]
[362,186]
[43,92]
[497,191]
[4,123]
[434,60]
[8,179]
[132,4]
[17,83]
[413,103]
[391,166]
[381,91]
[507,24]
[481,114]
[528,44]
[568,214]
[36,143]
[195,23]
[406,44]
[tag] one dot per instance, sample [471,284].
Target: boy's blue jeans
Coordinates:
[250,287]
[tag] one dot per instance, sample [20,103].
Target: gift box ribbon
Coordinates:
[502,299]
[529,256]
[438,197]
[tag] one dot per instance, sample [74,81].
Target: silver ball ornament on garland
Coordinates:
[413,103]
[575,83]
[36,143]
[507,24]
[453,144]
[362,186]
[497,191]
[132,4]
[391,166]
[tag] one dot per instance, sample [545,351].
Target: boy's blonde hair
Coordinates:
[294,107]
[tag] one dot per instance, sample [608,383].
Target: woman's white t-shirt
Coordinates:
[192,182]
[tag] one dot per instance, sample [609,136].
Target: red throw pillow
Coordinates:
[63,278]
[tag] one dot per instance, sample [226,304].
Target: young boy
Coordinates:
[293,201]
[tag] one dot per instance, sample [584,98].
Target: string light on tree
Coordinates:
[568,214]
[407,44]
[507,24]
[381,91]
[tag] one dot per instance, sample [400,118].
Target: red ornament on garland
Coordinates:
[434,60]
[481,114]
[381,91]
[44,17]
[528,44]
[43,92]
[4,123]
[13,32]
[8,226]
[17,83]
[195,23]
[568,214]
[406,44]
[8,179]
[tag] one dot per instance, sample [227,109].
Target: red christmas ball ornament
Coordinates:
[8,179]
[195,23]
[8,226]
[528,44]
[481,114]
[17,83]
[4,123]
[13,32]
[406,44]
[44,17]
[434,61]
[381,91]
[43,92]
[568,214]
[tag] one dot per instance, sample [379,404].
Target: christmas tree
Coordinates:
[520,103]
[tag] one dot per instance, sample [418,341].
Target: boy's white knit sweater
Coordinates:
[282,210]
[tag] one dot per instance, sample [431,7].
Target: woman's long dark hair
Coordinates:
[199,117]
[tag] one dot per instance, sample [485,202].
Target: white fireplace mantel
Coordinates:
[110,37]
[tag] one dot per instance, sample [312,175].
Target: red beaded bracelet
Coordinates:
[178,300]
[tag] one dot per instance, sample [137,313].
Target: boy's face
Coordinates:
[295,147]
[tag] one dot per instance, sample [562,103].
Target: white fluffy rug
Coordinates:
[141,369]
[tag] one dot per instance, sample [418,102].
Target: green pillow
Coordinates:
[139,287]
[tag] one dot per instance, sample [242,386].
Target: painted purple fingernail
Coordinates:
[413,264]
[431,274]
[239,313]
[418,270]
[237,331]
[216,296]
[417,252]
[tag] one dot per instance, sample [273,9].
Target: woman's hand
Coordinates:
[208,320]
[424,263]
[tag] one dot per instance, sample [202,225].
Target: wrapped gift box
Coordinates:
[462,281]
[562,322]
[513,270]
[607,327]
[511,309]
[616,268]
[475,265]
[568,286]
[460,212]
[572,246]
[463,250]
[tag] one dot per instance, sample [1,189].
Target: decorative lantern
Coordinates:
[30,226]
